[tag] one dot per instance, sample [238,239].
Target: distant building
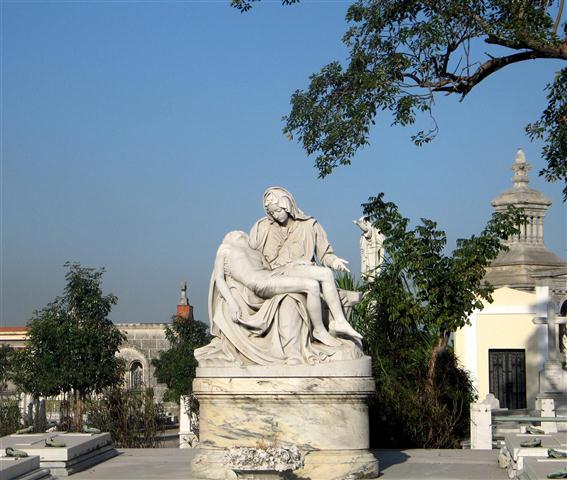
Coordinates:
[14,337]
[512,346]
[144,342]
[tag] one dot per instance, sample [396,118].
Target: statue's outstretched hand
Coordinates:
[340,265]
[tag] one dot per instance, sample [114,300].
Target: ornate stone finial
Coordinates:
[521,168]
[183,300]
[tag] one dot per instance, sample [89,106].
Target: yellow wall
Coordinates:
[504,324]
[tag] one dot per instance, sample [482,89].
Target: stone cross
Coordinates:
[552,321]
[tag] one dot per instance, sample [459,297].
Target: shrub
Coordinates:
[132,417]
[9,415]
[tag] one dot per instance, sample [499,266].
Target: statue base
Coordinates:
[326,417]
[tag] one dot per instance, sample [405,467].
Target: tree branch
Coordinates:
[559,15]
[465,84]
[549,51]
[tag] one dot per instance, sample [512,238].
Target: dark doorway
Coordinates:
[507,369]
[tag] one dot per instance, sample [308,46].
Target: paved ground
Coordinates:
[440,464]
[173,464]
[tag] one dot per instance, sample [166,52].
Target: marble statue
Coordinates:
[265,295]
[284,372]
[371,249]
[237,261]
[287,234]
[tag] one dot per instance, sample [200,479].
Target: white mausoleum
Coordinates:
[515,347]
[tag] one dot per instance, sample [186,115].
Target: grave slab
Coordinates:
[519,453]
[82,450]
[561,438]
[538,468]
[27,468]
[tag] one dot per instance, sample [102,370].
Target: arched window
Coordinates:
[136,375]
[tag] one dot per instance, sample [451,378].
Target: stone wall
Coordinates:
[144,342]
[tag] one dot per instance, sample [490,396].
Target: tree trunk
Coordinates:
[437,350]
[78,410]
[35,414]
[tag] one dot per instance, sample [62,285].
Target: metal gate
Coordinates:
[507,370]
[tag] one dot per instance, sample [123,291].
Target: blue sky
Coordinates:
[135,134]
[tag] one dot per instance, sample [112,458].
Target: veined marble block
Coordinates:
[325,416]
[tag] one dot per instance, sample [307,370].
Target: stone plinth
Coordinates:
[22,469]
[481,426]
[187,437]
[81,450]
[326,417]
[519,453]
[539,468]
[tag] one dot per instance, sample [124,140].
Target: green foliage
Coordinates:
[39,369]
[402,53]
[132,417]
[357,315]
[72,343]
[176,367]
[245,5]
[428,286]
[406,316]
[5,365]
[551,127]
[403,414]
[9,415]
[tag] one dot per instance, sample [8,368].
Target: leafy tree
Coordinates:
[39,369]
[176,367]
[72,343]
[404,52]
[5,365]
[436,290]
[409,311]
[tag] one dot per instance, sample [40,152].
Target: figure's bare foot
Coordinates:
[344,328]
[325,337]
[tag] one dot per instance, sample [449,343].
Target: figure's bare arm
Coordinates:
[325,252]
[224,290]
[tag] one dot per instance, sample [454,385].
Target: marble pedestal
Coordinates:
[322,409]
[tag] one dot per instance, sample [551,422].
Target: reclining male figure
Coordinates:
[235,258]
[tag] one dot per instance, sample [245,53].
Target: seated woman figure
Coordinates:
[235,258]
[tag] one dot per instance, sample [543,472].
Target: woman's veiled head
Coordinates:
[279,204]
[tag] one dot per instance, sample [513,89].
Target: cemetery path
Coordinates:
[440,464]
[173,464]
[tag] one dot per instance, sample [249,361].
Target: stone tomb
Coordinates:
[82,450]
[321,409]
[27,468]
[519,454]
[539,468]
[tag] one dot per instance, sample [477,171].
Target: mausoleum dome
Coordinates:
[527,254]
[521,194]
